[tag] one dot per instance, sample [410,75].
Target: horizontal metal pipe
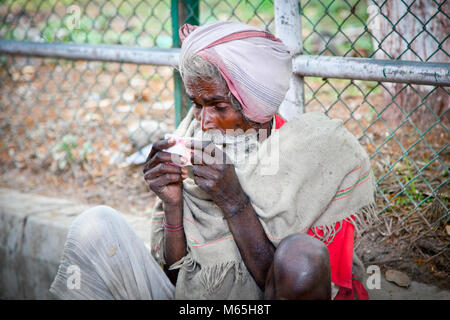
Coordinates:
[111,53]
[428,73]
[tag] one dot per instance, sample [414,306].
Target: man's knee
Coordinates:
[301,268]
[93,221]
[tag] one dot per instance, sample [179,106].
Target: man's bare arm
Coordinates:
[256,250]
[174,241]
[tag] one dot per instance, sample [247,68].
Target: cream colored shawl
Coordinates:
[310,173]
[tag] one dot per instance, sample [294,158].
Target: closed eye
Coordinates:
[220,108]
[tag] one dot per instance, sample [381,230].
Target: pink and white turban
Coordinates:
[255,64]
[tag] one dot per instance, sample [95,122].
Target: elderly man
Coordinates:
[235,228]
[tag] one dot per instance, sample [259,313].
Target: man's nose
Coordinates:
[208,120]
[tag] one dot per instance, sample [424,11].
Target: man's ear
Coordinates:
[185,30]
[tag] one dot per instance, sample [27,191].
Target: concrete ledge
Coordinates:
[416,291]
[33,231]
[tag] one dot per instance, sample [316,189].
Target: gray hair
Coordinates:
[193,67]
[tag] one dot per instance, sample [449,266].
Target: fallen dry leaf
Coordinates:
[147,94]
[112,251]
[399,278]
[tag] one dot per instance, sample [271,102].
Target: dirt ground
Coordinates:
[425,260]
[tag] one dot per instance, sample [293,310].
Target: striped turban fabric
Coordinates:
[255,64]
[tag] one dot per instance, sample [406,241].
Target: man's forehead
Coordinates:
[208,97]
[206,94]
[205,89]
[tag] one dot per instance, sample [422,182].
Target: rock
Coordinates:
[129,96]
[15,76]
[28,72]
[138,83]
[147,131]
[140,156]
[91,104]
[124,108]
[399,278]
[61,34]
[117,158]
[147,94]
[112,251]
[161,109]
[105,103]
[141,109]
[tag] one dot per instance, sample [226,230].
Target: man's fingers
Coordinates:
[205,172]
[203,183]
[163,157]
[163,144]
[159,146]
[160,169]
[164,180]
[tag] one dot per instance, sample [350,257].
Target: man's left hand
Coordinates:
[215,174]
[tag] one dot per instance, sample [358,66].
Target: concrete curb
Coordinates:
[33,231]
[415,291]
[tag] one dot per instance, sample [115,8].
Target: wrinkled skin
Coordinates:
[213,110]
[297,269]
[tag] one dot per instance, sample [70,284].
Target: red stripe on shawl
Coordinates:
[341,254]
[279,121]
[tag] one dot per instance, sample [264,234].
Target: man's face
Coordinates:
[213,108]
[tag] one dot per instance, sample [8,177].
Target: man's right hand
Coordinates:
[161,174]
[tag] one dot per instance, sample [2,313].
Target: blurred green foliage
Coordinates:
[335,27]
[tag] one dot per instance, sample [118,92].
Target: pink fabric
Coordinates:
[254,63]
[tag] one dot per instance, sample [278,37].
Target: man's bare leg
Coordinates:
[300,270]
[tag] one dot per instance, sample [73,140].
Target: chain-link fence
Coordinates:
[62,119]
[404,127]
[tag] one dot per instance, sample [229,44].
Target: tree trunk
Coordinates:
[416,31]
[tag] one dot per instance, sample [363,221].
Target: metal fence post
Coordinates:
[181,12]
[288,27]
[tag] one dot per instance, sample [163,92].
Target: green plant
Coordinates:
[411,190]
[67,151]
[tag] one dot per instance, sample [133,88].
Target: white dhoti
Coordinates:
[113,263]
